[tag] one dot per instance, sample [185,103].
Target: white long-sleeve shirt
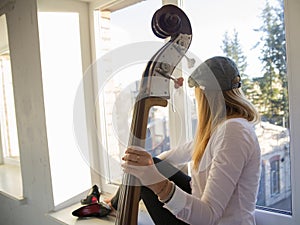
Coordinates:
[225,186]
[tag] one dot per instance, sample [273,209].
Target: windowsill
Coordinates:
[11,181]
[11,187]
[65,216]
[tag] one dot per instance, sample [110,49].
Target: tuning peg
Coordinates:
[178,82]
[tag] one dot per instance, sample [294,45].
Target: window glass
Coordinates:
[241,35]
[126,27]
[9,135]
[10,170]
[62,74]
[249,33]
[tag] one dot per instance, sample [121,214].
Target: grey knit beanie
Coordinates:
[216,73]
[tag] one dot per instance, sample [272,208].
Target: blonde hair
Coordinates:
[214,107]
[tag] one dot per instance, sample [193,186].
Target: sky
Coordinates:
[210,19]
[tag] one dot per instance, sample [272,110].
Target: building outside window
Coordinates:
[275,178]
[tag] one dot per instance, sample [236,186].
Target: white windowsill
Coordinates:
[65,216]
[11,181]
[11,187]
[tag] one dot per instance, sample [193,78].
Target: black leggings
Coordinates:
[159,214]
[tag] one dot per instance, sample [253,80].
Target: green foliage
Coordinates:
[273,56]
[269,92]
[232,49]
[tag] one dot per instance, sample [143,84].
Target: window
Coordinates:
[265,84]
[62,74]
[9,135]
[10,171]
[116,98]
[238,34]
[215,32]
[223,31]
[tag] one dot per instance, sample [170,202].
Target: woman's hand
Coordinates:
[139,163]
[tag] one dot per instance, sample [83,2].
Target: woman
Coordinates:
[225,157]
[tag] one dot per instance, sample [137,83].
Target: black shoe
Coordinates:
[92,197]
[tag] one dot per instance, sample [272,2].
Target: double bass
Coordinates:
[167,22]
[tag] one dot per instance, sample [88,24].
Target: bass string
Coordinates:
[123,198]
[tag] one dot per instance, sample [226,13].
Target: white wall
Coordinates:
[26,69]
[28,90]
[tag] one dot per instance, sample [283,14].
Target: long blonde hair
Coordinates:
[214,107]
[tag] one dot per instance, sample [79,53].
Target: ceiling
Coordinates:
[111,5]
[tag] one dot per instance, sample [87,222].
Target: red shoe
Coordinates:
[94,210]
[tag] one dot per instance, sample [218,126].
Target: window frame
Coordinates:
[95,13]
[1,151]
[181,99]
